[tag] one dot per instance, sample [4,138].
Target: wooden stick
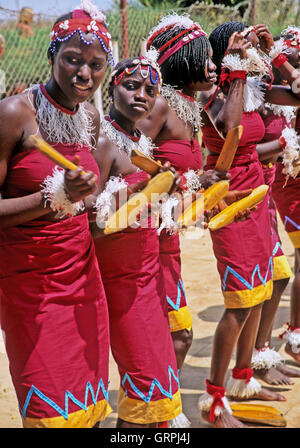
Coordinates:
[228,151]
[146,163]
[51,153]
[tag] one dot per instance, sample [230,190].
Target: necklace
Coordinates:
[62,125]
[124,141]
[186,108]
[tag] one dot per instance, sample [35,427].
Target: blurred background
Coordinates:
[25,30]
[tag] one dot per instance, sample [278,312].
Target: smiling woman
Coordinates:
[54,310]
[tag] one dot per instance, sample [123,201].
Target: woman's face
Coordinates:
[134,96]
[78,68]
[210,76]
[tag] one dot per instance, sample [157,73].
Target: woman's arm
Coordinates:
[268,150]
[226,113]
[13,116]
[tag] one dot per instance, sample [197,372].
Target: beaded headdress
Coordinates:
[187,32]
[85,19]
[147,66]
[294,41]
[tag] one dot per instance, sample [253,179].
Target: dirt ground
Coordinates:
[206,304]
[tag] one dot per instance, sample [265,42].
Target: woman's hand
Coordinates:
[266,41]
[231,197]
[77,185]
[237,44]
[210,177]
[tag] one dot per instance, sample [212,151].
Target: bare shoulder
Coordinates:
[95,114]
[13,107]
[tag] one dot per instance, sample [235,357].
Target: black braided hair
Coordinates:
[219,39]
[188,64]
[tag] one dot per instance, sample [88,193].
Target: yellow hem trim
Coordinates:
[295,238]
[247,298]
[281,268]
[138,411]
[180,320]
[79,419]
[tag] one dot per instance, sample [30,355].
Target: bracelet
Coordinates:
[53,191]
[282,142]
[238,74]
[279,60]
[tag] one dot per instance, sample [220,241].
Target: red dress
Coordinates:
[53,311]
[139,330]
[286,193]
[274,124]
[183,155]
[243,249]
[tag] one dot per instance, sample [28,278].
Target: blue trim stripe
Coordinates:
[248,285]
[154,383]
[180,290]
[287,219]
[65,412]
[275,250]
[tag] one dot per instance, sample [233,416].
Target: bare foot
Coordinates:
[224,420]
[272,376]
[288,371]
[264,395]
[295,356]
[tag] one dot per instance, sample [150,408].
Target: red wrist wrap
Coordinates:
[238,74]
[279,60]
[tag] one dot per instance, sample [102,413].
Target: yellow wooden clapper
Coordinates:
[207,201]
[229,148]
[127,214]
[145,163]
[258,413]
[52,154]
[227,215]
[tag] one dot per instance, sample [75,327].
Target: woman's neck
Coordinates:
[128,125]
[58,96]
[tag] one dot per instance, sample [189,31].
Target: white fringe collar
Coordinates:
[124,142]
[64,128]
[187,110]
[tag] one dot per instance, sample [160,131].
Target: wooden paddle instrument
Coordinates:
[227,215]
[208,200]
[51,153]
[145,163]
[258,413]
[127,214]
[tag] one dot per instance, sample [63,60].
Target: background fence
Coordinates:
[25,41]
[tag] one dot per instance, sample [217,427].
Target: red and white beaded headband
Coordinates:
[81,23]
[188,36]
[146,68]
[292,42]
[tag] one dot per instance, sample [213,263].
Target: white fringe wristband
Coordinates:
[103,204]
[54,192]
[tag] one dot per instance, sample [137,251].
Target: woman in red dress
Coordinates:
[266,362]
[129,260]
[54,311]
[243,250]
[285,191]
